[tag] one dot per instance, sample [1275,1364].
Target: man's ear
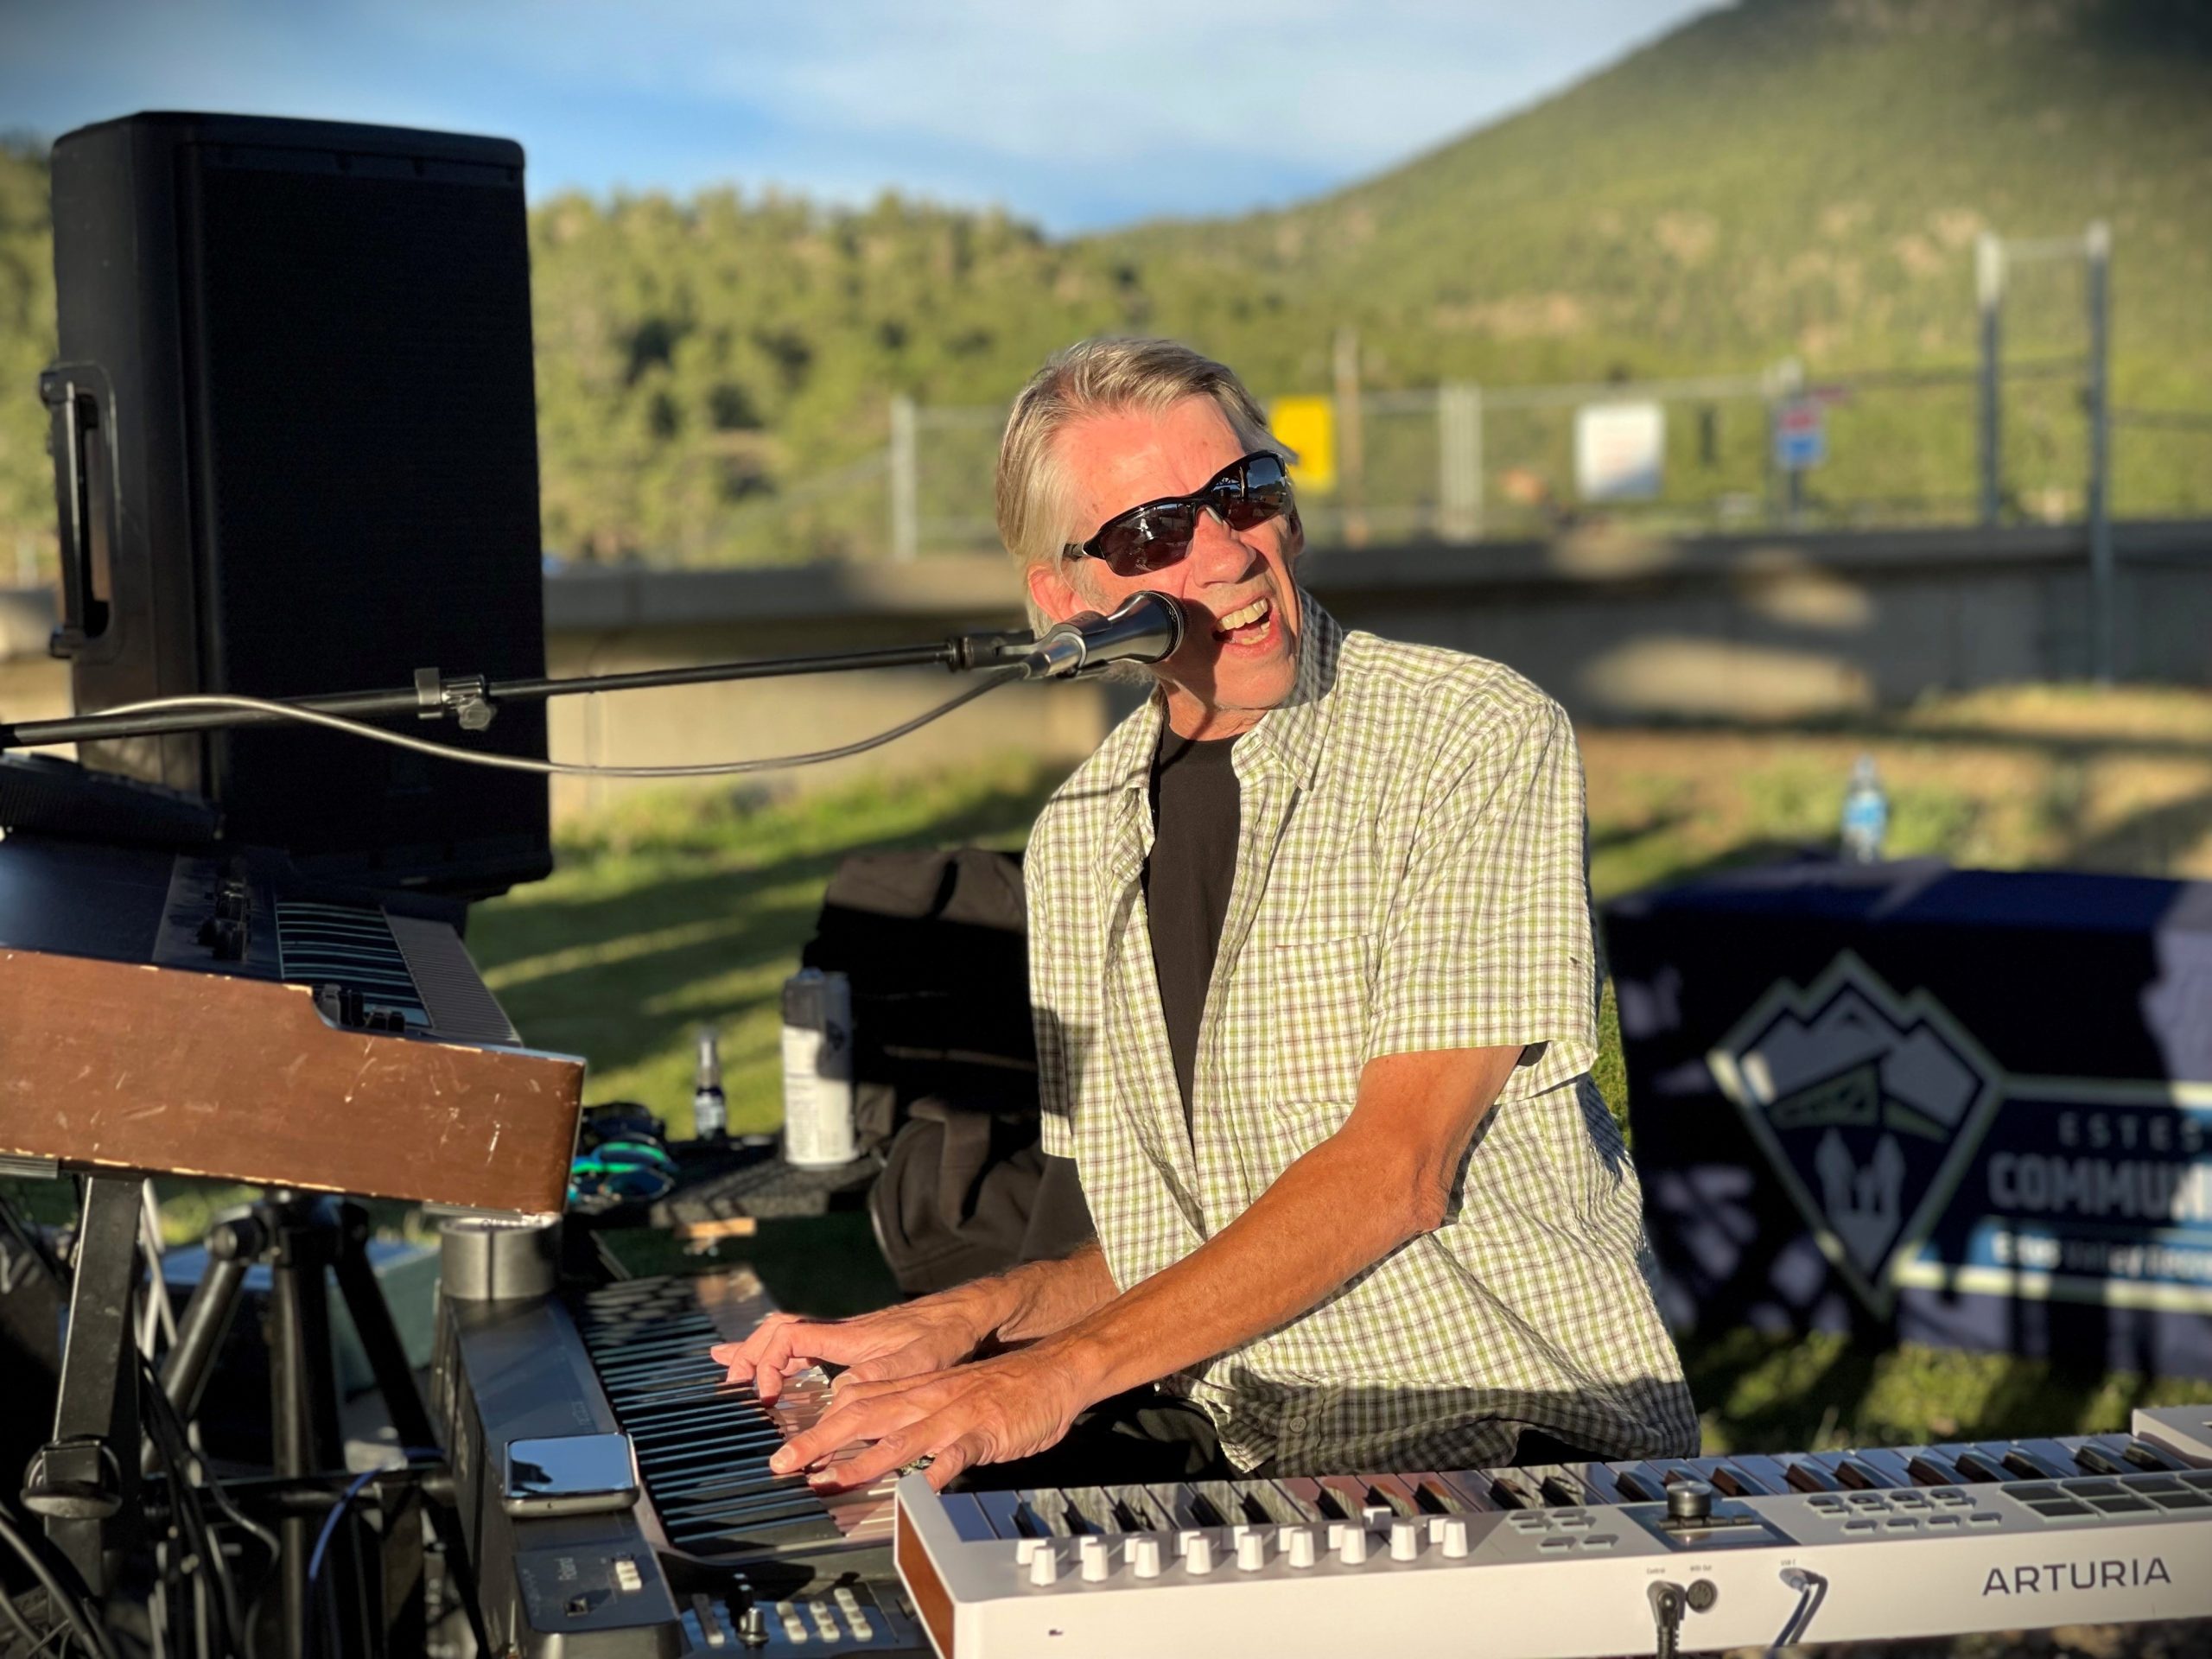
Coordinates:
[1050,592]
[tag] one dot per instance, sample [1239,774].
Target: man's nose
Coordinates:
[1216,553]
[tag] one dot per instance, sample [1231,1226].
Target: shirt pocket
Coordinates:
[1302,1021]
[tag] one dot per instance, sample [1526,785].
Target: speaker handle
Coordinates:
[79,406]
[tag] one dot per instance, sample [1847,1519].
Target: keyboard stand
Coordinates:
[85,1481]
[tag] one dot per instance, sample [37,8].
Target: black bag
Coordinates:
[956,1196]
[935,946]
[944,1061]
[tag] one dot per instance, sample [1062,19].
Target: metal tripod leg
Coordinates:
[303,1400]
[387,1358]
[232,1246]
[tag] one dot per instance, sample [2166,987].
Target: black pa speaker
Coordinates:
[294,436]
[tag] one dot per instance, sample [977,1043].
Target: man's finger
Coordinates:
[771,1361]
[954,1460]
[839,1428]
[892,1367]
[851,1388]
[845,1425]
[892,1451]
[731,1353]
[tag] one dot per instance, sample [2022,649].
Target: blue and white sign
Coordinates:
[1801,435]
[1916,1162]
[1967,1108]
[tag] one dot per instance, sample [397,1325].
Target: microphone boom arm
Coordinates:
[471,700]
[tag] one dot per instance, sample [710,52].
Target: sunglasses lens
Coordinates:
[1265,494]
[1150,539]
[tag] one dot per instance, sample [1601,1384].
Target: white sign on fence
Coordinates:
[1620,451]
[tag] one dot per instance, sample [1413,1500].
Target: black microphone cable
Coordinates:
[990,681]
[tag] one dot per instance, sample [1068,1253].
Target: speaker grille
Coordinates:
[364,440]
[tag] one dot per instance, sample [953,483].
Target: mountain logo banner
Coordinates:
[1917,1161]
[1868,1104]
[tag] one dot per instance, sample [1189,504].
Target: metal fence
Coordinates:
[1462,463]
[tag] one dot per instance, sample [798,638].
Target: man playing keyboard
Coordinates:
[1314,988]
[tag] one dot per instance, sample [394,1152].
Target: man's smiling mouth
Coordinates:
[1250,616]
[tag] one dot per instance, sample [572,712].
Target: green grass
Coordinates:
[1818,1392]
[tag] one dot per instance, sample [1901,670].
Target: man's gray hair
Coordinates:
[1105,376]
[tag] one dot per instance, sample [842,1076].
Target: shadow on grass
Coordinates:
[2155,838]
[1776,1394]
[2084,746]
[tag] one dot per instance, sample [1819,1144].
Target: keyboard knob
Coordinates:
[1353,1550]
[1251,1551]
[1144,1557]
[1688,1501]
[1198,1556]
[1405,1541]
[1455,1538]
[1044,1563]
[1091,1552]
[1300,1548]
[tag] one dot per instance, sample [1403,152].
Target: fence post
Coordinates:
[1784,380]
[1351,449]
[1989,294]
[905,485]
[2097,249]
[1460,462]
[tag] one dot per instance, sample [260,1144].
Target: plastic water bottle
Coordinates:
[1866,814]
[710,1110]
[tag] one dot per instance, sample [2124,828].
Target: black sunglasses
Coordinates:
[1151,537]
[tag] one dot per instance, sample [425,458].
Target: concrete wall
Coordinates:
[1619,627]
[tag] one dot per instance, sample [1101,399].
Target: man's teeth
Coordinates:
[1235,619]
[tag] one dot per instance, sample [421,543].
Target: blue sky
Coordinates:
[1075,116]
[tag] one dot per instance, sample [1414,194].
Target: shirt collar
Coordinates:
[1289,736]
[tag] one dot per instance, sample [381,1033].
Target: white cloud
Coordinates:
[1066,112]
[1320,82]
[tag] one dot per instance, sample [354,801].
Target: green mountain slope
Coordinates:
[1780,178]
[1781,175]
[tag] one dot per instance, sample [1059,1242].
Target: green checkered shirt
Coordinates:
[1409,876]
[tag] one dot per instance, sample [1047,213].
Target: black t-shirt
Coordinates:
[1195,810]
[1195,806]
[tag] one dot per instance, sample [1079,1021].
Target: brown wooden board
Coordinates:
[122,1065]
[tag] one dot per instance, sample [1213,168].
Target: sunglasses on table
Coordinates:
[1243,494]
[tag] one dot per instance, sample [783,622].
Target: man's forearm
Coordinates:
[1322,1221]
[1036,1299]
[1382,1179]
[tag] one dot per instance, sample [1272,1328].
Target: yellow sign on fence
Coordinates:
[1308,426]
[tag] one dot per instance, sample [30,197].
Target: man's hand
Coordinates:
[899,1342]
[929,1333]
[1010,1406]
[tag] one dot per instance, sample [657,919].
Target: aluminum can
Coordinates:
[817,1070]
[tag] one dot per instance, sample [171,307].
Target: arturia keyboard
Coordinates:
[216,1014]
[701,1550]
[1580,1559]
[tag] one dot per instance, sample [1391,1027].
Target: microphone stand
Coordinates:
[471,700]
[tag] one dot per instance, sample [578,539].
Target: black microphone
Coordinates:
[1148,627]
